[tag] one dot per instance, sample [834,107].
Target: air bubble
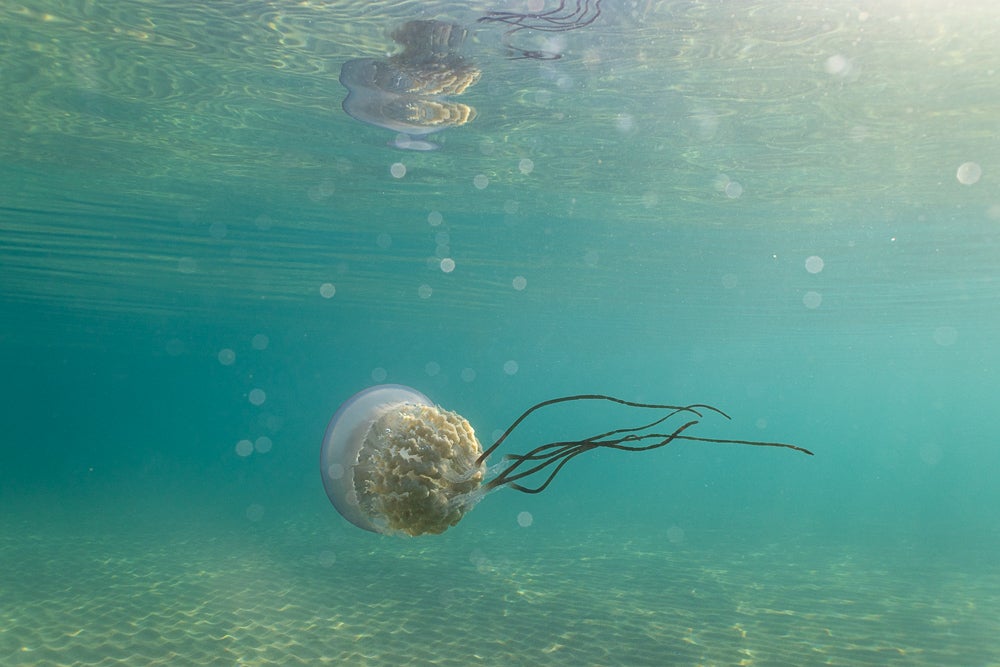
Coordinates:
[447,265]
[519,283]
[260,341]
[812,299]
[327,290]
[226,356]
[398,170]
[257,396]
[379,374]
[425,291]
[510,367]
[481,181]
[524,519]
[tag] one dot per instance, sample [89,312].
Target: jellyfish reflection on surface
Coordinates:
[394,463]
[410,92]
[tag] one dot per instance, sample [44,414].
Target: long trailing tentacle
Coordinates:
[575,449]
[754,443]
[592,397]
[559,453]
[552,451]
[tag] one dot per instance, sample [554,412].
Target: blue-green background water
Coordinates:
[186,216]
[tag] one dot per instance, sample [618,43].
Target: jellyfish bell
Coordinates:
[394,463]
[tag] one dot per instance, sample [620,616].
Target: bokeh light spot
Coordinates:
[244,448]
[945,336]
[930,453]
[257,396]
[217,230]
[837,65]
[969,173]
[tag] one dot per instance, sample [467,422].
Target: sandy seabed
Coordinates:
[320,592]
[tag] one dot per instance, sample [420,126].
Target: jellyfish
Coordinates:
[394,463]
[410,92]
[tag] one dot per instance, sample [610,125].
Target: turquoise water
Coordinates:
[787,212]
